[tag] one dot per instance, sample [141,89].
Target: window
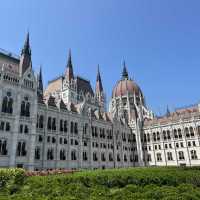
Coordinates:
[61,125]
[7,103]
[110,157]
[72,127]
[164,135]
[21,149]
[191,131]
[118,158]
[54,124]
[37,153]
[3,147]
[26,129]
[2,124]
[65,141]
[50,154]
[103,158]
[193,155]
[49,123]
[62,154]
[169,156]
[159,157]
[7,126]
[125,158]
[187,134]
[175,134]
[179,133]
[76,127]
[41,121]
[149,157]
[181,155]
[194,144]
[85,156]
[21,128]
[95,158]
[65,126]
[168,135]
[25,108]
[73,155]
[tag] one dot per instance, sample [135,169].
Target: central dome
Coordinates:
[125,85]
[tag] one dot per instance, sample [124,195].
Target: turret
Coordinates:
[25,59]
[99,93]
[69,68]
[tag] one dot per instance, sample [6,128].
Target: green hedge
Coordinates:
[117,184]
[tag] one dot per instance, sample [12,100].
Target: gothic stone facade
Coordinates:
[66,126]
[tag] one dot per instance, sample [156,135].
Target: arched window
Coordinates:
[3,147]
[125,158]
[118,158]
[37,153]
[191,131]
[49,123]
[164,135]
[72,127]
[181,155]
[175,134]
[41,121]
[10,106]
[187,134]
[103,158]
[23,108]
[4,104]
[27,109]
[148,137]
[23,149]
[198,130]
[179,133]
[193,155]
[62,154]
[154,136]
[168,135]
[65,126]
[73,155]
[61,125]
[110,157]
[95,158]
[54,124]
[19,149]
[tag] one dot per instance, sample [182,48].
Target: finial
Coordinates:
[124,73]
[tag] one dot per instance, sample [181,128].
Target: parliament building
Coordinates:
[66,125]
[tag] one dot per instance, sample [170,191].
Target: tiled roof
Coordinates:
[54,86]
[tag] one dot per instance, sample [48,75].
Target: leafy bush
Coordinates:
[117,184]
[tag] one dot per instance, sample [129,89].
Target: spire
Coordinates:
[25,59]
[99,86]
[40,81]
[26,49]
[168,112]
[124,73]
[69,69]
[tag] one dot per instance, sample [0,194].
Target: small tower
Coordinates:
[25,59]
[99,93]
[124,72]
[69,87]
[168,112]
[40,82]
[69,68]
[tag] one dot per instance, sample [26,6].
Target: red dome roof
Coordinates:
[125,86]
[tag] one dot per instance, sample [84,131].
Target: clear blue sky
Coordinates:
[160,41]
